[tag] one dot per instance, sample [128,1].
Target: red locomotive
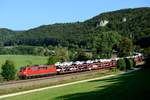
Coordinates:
[26,72]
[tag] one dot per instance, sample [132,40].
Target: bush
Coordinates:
[8,70]
[121,64]
[129,63]
[52,60]
[83,56]
[147,57]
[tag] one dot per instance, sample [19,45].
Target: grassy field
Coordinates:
[56,81]
[23,60]
[132,86]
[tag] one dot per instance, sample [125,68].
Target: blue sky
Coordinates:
[26,14]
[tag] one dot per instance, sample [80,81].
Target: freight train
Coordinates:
[71,67]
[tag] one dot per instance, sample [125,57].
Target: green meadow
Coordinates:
[23,60]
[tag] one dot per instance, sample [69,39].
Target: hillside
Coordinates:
[132,23]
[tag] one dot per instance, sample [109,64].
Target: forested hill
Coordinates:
[132,23]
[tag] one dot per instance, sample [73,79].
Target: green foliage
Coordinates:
[8,70]
[62,54]
[72,55]
[83,56]
[52,60]
[125,63]
[121,64]
[125,47]
[104,43]
[26,50]
[147,56]
[129,63]
[147,52]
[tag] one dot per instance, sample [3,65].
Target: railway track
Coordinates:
[22,81]
[48,77]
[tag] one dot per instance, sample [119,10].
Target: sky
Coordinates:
[26,14]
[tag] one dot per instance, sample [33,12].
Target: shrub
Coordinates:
[121,64]
[129,63]
[52,60]
[8,70]
[83,56]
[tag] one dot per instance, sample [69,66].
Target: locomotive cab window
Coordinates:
[42,68]
[34,68]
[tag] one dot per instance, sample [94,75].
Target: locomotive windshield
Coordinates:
[22,68]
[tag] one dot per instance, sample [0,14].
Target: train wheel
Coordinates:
[23,77]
